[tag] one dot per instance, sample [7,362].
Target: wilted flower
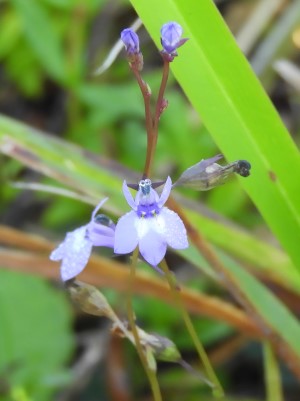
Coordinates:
[149,225]
[131,41]
[75,250]
[208,174]
[171,38]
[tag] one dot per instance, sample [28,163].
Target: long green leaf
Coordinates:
[223,89]
[273,382]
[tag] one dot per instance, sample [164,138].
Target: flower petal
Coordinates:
[128,196]
[165,193]
[101,240]
[171,33]
[101,235]
[98,207]
[130,40]
[175,232]
[58,253]
[126,237]
[153,247]
[77,250]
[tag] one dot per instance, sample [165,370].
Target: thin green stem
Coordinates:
[131,317]
[272,375]
[217,390]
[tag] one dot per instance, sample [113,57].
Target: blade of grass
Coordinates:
[272,375]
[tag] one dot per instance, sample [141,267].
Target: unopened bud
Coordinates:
[171,39]
[131,41]
[89,299]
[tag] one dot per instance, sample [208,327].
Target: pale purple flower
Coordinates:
[150,225]
[171,38]
[75,250]
[131,41]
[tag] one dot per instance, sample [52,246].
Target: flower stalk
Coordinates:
[217,389]
[131,318]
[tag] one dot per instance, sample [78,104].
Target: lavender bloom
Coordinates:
[131,41]
[75,250]
[149,225]
[171,38]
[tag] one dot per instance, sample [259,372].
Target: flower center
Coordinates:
[145,186]
[147,206]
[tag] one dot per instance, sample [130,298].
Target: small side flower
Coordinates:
[76,248]
[150,226]
[171,40]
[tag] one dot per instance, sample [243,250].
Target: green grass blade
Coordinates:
[223,89]
[272,375]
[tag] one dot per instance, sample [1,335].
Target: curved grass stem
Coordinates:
[131,317]
[217,390]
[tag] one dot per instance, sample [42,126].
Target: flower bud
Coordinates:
[171,39]
[131,41]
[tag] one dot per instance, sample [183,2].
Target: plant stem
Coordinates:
[163,84]
[152,123]
[148,121]
[217,390]
[150,373]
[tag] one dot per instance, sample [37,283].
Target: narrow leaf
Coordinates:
[233,105]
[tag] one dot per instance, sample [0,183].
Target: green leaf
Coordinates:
[234,107]
[272,375]
[36,339]
[40,33]
[272,310]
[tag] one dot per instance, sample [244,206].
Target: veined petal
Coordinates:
[165,193]
[153,247]
[126,237]
[175,232]
[128,196]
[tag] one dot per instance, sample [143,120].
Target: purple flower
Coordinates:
[75,250]
[149,225]
[131,41]
[171,38]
